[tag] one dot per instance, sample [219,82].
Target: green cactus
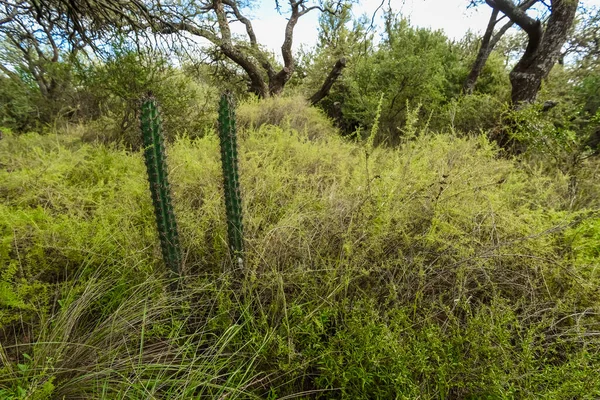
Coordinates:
[231,184]
[154,152]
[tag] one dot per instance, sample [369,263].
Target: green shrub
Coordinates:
[72,216]
[410,66]
[471,114]
[17,104]
[553,140]
[188,107]
[287,112]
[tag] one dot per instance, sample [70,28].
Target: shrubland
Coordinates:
[403,239]
[435,269]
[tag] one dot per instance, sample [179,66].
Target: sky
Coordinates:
[452,16]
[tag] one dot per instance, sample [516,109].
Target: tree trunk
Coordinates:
[488,43]
[331,78]
[484,52]
[278,81]
[542,52]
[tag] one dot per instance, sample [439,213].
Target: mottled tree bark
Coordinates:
[543,47]
[488,43]
[329,81]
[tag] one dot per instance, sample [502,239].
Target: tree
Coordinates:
[88,22]
[489,42]
[340,41]
[544,43]
[583,43]
[212,21]
[543,48]
[36,45]
[416,70]
[39,35]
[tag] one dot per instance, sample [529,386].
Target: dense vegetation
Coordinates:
[403,238]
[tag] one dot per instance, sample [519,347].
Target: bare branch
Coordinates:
[525,6]
[333,76]
[223,23]
[9,17]
[306,10]
[243,20]
[517,15]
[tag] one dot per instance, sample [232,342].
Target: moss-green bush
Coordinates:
[473,114]
[294,113]
[116,86]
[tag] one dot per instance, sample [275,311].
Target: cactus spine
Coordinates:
[231,185]
[154,152]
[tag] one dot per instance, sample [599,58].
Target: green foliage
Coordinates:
[441,270]
[17,104]
[360,353]
[413,65]
[375,128]
[471,114]
[339,36]
[415,69]
[435,268]
[432,269]
[105,92]
[557,138]
[494,79]
[123,340]
[113,89]
[155,157]
[292,112]
[589,92]
[80,213]
[23,104]
[231,180]
[583,239]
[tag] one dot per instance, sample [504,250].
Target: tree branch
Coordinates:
[223,23]
[252,36]
[286,47]
[488,42]
[532,27]
[258,83]
[484,51]
[169,28]
[247,23]
[55,52]
[278,81]
[517,15]
[9,17]
[335,73]
[10,74]
[525,6]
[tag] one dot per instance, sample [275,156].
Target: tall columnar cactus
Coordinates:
[154,152]
[229,160]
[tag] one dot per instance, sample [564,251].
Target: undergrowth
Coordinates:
[440,271]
